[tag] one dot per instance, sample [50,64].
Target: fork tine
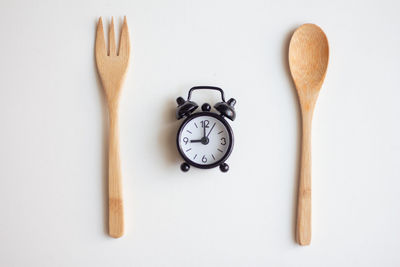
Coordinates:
[124,44]
[111,37]
[100,43]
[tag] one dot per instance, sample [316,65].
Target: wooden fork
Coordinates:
[112,68]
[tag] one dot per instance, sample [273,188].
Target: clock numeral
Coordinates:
[204,159]
[205,123]
[223,141]
[186,140]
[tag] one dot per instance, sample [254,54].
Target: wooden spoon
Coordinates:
[308,61]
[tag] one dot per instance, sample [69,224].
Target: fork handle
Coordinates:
[303,231]
[115,203]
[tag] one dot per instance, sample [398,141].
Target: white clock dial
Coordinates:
[204,140]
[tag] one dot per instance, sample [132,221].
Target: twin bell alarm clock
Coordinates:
[205,138]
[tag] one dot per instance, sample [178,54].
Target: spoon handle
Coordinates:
[115,205]
[303,231]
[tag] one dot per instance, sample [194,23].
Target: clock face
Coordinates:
[205,140]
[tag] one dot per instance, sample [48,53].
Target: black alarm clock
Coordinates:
[205,139]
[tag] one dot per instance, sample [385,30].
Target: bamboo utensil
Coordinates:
[112,67]
[308,61]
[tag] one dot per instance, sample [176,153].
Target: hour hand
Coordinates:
[203,140]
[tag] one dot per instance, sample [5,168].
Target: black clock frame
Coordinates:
[230,133]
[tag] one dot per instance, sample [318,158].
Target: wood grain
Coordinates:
[308,61]
[112,67]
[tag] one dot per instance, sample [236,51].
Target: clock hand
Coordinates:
[204,127]
[203,140]
[210,130]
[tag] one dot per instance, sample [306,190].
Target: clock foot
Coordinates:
[185,167]
[224,167]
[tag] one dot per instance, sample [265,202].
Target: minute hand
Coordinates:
[211,130]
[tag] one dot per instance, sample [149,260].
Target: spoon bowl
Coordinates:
[308,62]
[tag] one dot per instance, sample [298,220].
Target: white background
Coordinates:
[53,135]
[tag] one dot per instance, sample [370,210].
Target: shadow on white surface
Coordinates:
[167,134]
[104,133]
[285,63]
